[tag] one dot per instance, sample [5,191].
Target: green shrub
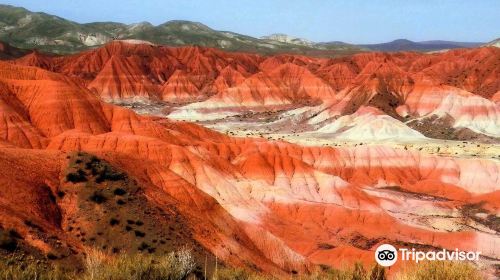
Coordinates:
[76,177]
[98,197]
[119,191]
[103,172]
[143,246]
[113,221]
[120,202]
[139,233]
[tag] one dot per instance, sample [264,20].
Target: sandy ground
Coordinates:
[263,125]
[448,148]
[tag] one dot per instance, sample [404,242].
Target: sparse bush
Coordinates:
[139,233]
[98,198]
[181,263]
[119,191]
[76,177]
[143,246]
[104,172]
[114,221]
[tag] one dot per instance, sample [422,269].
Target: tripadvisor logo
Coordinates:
[387,255]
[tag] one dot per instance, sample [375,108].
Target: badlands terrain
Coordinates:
[275,163]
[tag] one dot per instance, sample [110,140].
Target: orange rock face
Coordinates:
[403,85]
[179,88]
[474,70]
[278,206]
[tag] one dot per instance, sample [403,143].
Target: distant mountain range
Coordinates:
[494,43]
[407,45]
[284,38]
[25,29]
[396,45]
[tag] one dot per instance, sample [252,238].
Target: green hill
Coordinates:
[25,29]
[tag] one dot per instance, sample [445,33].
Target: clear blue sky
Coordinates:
[356,21]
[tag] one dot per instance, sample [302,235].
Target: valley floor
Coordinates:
[448,148]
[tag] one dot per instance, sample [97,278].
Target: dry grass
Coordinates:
[357,272]
[238,274]
[438,270]
[180,265]
[12,270]
[176,265]
[100,266]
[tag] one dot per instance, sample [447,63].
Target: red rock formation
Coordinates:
[122,78]
[140,69]
[37,59]
[275,205]
[229,77]
[180,89]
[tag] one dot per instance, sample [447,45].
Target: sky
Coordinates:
[355,21]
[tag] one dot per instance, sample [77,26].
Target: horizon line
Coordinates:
[254,36]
